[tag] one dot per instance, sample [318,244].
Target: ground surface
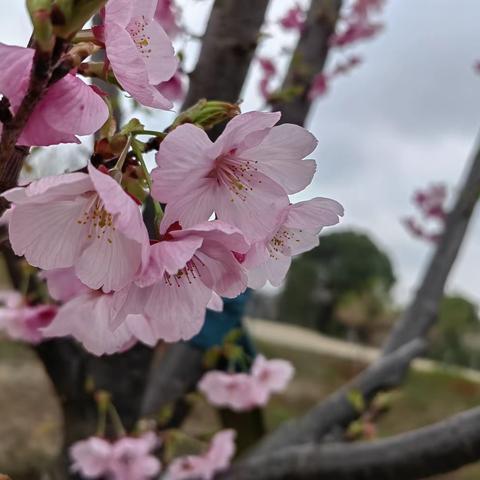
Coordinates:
[30,423]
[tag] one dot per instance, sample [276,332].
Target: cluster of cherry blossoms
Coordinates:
[431,204]
[242,391]
[130,458]
[227,224]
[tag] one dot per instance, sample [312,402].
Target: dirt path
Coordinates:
[304,339]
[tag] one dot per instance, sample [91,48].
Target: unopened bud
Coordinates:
[79,12]
[39,11]
[207,114]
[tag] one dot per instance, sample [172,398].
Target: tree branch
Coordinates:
[423,311]
[228,47]
[432,450]
[308,59]
[338,411]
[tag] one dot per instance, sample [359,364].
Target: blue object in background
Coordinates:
[218,324]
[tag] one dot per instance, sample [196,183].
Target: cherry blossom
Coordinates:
[128,458]
[95,227]
[69,108]
[204,467]
[244,177]
[91,458]
[139,51]
[186,268]
[294,19]
[131,458]
[173,89]
[166,14]
[269,72]
[296,232]
[21,321]
[242,391]
[87,318]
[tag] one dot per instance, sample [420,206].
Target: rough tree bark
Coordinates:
[418,454]
[308,59]
[227,50]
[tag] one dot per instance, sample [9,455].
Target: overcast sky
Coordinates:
[408,116]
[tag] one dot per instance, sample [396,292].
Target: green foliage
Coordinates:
[346,267]
[456,337]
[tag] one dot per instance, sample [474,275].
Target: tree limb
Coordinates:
[432,450]
[423,311]
[338,411]
[308,59]
[228,47]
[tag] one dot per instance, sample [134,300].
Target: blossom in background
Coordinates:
[139,51]
[242,391]
[319,86]
[296,232]
[244,177]
[69,108]
[357,24]
[186,268]
[431,205]
[294,19]
[217,458]
[21,321]
[269,72]
[174,88]
[95,227]
[166,14]
[128,458]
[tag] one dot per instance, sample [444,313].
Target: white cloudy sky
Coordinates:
[408,116]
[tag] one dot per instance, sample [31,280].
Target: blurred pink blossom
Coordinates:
[242,391]
[128,458]
[294,19]
[166,14]
[21,321]
[204,467]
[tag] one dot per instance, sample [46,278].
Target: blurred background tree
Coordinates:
[340,287]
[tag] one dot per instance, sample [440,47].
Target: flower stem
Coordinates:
[116,421]
[137,150]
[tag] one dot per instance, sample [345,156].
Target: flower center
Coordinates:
[279,244]
[235,173]
[185,276]
[98,221]
[137,30]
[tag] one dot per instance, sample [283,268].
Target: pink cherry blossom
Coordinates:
[362,8]
[355,31]
[236,391]
[91,458]
[204,467]
[274,375]
[21,321]
[297,232]
[93,224]
[87,318]
[174,88]
[269,72]
[132,460]
[128,458]
[166,14]
[243,177]
[319,86]
[244,391]
[69,108]
[170,299]
[63,284]
[139,51]
[294,19]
